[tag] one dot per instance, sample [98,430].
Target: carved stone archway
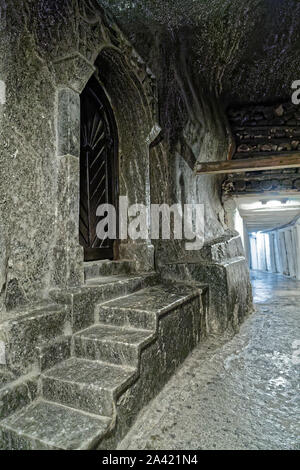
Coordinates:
[130,87]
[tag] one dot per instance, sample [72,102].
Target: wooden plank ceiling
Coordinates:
[266,138]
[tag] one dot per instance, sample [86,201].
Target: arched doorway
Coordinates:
[98,168]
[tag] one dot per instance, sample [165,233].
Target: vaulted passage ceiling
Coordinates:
[245,51]
[267,213]
[242,55]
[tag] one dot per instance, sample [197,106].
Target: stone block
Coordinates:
[24,333]
[82,301]
[87,385]
[108,268]
[16,395]
[68,123]
[53,352]
[225,271]
[48,426]
[147,360]
[111,344]
[67,253]
[73,72]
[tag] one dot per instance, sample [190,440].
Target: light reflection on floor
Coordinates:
[267,286]
[239,393]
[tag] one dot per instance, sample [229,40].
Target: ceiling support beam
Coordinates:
[272,162]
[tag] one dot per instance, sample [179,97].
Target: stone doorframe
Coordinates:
[131,89]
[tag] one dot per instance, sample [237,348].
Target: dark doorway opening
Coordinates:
[98,168]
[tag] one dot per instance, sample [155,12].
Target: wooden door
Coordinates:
[98,168]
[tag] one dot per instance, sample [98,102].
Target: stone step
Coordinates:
[150,332]
[6,376]
[227,307]
[51,353]
[49,426]
[87,385]
[17,393]
[111,344]
[143,308]
[22,335]
[108,268]
[82,301]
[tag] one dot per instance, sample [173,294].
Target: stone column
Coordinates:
[290,252]
[261,252]
[297,249]
[136,186]
[284,260]
[253,250]
[267,252]
[278,257]
[68,254]
[3,269]
[246,242]
[230,211]
[272,252]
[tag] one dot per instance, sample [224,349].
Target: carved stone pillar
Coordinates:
[230,211]
[283,253]
[68,254]
[140,251]
[297,242]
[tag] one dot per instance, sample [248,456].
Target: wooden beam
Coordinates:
[272,162]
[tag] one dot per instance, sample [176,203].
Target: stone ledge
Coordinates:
[23,335]
[49,426]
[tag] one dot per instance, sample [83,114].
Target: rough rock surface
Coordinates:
[246,51]
[48,52]
[116,367]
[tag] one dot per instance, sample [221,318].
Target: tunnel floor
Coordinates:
[234,393]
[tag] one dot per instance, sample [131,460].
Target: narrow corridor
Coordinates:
[241,393]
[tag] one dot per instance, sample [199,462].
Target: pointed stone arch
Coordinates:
[131,89]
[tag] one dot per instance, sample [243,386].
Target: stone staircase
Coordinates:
[122,338]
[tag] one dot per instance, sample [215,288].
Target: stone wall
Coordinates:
[277,251]
[166,122]
[48,52]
